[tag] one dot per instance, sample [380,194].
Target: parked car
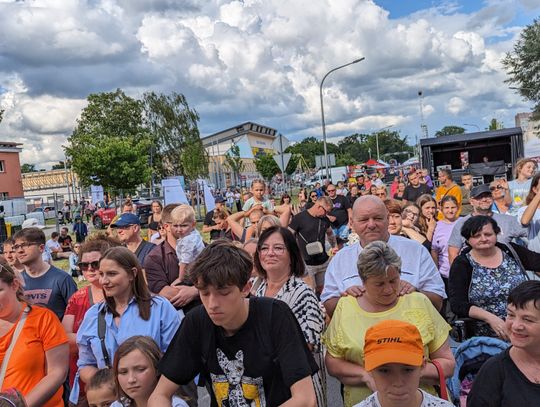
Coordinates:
[48,211]
[104,214]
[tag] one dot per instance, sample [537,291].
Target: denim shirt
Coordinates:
[162,325]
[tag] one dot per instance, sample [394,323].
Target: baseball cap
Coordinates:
[31,223]
[126,219]
[393,342]
[219,199]
[479,190]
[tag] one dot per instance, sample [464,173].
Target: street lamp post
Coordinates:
[472,125]
[377,138]
[322,111]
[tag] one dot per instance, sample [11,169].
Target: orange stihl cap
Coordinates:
[393,342]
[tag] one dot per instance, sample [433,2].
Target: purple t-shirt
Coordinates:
[439,244]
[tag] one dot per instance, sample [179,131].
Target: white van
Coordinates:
[336,174]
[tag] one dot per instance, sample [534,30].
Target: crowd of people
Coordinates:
[361,281]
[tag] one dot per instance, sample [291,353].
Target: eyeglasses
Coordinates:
[324,209]
[277,249]
[409,212]
[24,245]
[497,187]
[330,190]
[84,265]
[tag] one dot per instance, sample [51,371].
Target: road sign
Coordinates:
[280,144]
[319,161]
[282,160]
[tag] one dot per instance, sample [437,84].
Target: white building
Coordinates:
[252,139]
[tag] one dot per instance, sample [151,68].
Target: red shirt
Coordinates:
[77,306]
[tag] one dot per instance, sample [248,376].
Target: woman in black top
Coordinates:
[512,378]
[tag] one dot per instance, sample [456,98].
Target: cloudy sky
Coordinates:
[261,61]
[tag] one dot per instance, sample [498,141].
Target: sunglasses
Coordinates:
[84,265]
[497,187]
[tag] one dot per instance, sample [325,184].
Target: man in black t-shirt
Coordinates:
[65,240]
[310,226]
[340,215]
[209,225]
[250,352]
[415,189]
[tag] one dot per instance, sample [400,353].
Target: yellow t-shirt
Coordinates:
[442,191]
[344,337]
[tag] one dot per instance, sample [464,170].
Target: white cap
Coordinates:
[32,223]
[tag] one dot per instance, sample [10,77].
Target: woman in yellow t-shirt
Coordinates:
[379,268]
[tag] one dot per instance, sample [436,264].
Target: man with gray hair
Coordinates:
[370,222]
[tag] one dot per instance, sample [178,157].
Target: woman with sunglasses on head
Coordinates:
[89,255]
[33,346]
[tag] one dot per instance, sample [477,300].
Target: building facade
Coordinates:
[252,139]
[11,185]
[46,187]
[531,132]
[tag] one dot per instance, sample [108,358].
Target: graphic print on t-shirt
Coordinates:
[233,388]
[39,295]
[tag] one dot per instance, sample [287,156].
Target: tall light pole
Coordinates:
[377,138]
[322,112]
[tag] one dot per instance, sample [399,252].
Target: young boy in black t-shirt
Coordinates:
[248,350]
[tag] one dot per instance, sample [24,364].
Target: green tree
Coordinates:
[172,125]
[28,168]
[494,124]
[234,162]
[308,148]
[523,64]
[109,146]
[194,159]
[266,166]
[1,115]
[450,130]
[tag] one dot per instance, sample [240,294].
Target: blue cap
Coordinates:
[126,219]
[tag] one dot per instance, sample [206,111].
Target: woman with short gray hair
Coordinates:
[375,260]
[379,267]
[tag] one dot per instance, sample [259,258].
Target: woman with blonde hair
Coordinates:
[521,184]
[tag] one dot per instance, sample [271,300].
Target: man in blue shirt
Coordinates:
[129,233]
[44,284]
